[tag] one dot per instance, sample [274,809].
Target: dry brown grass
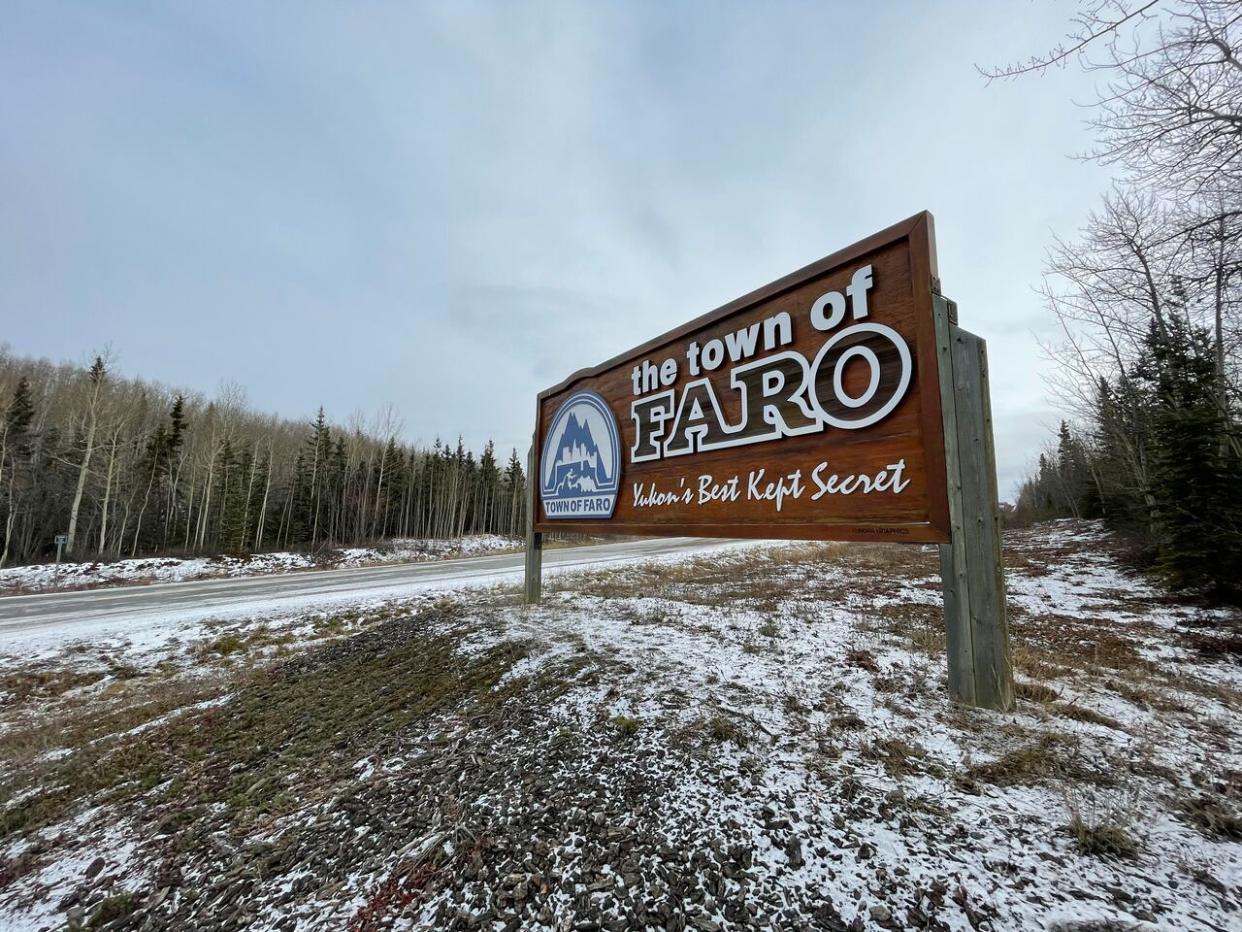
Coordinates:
[850,721]
[1212,816]
[862,659]
[1146,693]
[1102,822]
[40,684]
[76,725]
[810,553]
[1082,713]
[1035,692]
[256,639]
[928,639]
[815,571]
[899,757]
[1081,644]
[1051,757]
[1106,838]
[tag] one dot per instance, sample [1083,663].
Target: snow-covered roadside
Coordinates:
[752,738]
[51,577]
[145,636]
[846,771]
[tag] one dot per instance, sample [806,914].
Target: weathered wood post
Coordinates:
[980,664]
[534,539]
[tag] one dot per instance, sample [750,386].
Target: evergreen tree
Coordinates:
[515,483]
[319,444]
[1071,471]
[1195,468]
[15,460]
[18,418]
[236,472]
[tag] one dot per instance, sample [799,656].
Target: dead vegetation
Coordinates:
[293,717]
[803,669]
[1213,816]
[1051,758]
[21,686]
[1105,838]
[900,757]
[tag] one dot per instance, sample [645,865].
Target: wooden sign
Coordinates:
[842,402]
[810,408]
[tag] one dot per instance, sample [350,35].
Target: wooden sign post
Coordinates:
[841,402]
[534,539]
[971,572]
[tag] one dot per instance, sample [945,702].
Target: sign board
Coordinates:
[61,539]
[842,402]
[810,408]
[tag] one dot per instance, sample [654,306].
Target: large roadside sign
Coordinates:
[809,408]
[841,402]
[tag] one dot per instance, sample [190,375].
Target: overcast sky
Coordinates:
[451,206]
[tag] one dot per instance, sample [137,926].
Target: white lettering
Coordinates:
[742,344]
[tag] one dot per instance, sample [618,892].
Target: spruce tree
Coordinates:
[233,472]
[1119,466]
[15,464]
[18,418]
[1072,477]
[515,482]
[1195,469]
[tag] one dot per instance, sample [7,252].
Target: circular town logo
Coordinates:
[581,462]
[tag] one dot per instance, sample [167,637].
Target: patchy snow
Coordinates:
[916,828]
[109,863]
[51,577]
[134,626]
[756,737]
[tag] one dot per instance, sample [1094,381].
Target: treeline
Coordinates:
[1149,296]
[128,468]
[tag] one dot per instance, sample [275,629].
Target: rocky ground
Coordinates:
[760,739]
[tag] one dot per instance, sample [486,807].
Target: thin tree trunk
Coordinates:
[189,509]
[74,511]
[1222,392]
[9,519]
[103,522]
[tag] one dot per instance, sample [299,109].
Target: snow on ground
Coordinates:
[158,630]
[49,577]
[755,738]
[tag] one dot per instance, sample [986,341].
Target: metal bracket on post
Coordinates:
[980,664]
[534,539]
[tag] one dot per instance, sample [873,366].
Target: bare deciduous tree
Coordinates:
[1171,108]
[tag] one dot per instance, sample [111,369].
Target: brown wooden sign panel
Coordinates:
[809,408]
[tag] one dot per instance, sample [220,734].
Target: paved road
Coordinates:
[30,613]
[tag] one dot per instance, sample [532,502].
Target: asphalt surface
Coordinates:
[29,613]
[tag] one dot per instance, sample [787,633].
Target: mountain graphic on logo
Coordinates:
[577,466]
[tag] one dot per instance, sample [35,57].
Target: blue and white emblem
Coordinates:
[581,461]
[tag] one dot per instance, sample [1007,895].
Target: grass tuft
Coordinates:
[1210,816]
[722,729]
[111,909]
[1108,837]
[1035,692]
[1050,757]
[626,727]
[863,659]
